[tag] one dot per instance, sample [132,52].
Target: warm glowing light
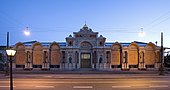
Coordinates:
[142,33]
[27,32]
[10,52]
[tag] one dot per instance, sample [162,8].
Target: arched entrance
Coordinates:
[85,60]
[86,54]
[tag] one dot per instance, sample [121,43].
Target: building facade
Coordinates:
[2,57]
[86,49]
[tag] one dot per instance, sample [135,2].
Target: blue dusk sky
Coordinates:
[54,20]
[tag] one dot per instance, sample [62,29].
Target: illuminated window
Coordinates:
[85,56]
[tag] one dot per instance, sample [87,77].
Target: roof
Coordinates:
[141,44]
[2,47]
[30,43]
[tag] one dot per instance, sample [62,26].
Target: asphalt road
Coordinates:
[86,82]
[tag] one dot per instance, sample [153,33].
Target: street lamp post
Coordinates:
[6,63]
[162,56]
[11,53]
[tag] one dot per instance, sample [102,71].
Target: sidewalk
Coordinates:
[90,71]
[84,76]
[90,74]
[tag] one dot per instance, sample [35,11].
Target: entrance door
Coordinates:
[85,60]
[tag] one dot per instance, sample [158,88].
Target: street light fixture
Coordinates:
[142,33]
[11,53]
[26,31]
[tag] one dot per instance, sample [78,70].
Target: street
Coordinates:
[86,82]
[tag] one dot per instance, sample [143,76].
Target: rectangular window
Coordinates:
[149,66]
[85,56]
[37,66]
[54,66]
[20,66]
[133,66]
[116,66]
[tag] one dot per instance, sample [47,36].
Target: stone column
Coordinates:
[74,60]
[93,62]
[44,61]
[26,64]
[97,63]
[66,61]
[48,61]
[79,59]
[61,60]
[49,58]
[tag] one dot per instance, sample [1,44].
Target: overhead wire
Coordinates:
[63,29]
[19,25]
[10,19]
[157,21]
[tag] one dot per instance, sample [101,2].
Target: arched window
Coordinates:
[100,60]
[101,43]
[85,45]
[70,43]
[70,60]
[108,56]
[63,57]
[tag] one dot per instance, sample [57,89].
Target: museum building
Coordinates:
[86,49]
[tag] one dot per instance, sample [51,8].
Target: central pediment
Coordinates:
[85,32]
